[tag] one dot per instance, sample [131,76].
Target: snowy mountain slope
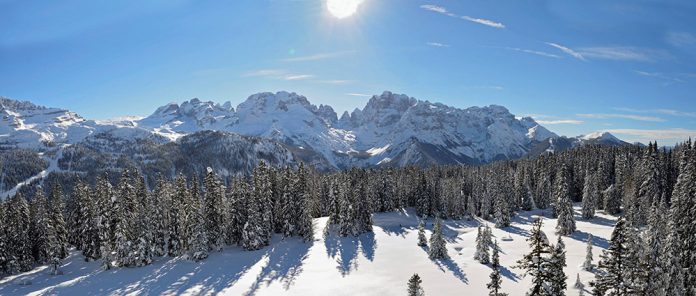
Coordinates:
[378,263]
[558,144]
[391,130]
[390,127]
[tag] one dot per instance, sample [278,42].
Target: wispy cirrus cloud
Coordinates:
[560,121]
[661,76]
[620,116]
[680,39]
[670,112]
[442,10]
[678,134]
[534,52]
[280,74]
[318,56]
[623,53]
[437,44]
[484,22]
[358,95]
[567,50]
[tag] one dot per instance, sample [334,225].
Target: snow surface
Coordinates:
[378,263]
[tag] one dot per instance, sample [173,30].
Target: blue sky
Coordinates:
[628,67]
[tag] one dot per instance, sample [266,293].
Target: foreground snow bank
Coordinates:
[378,263]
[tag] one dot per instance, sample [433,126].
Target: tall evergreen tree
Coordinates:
[438,246]
[212,211]
[422,241]
[57,210]
[103,193]
[494,285]
[557,260]
[587,264]
[590,195]
[414,286]
[536,263]
[481,255]
[612,265]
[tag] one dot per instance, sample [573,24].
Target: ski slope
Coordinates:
[378,263]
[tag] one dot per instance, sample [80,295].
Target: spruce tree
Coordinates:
[612,200]
[57,209]
[438,246]
[414,286]
[566,219]
[587,264]
[18,241]
[422,241]
[536,263]
[494,285]
[44,239]
[254,231]
[212,211]
[142,223]
[481,255]
[612,264]
[578,284]
[103,193]
[590,195]
[125,213]
[557,262]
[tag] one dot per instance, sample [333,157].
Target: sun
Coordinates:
[343,8]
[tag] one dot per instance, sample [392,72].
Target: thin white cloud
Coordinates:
[563,121]
[680,39]
[444,11]
[659,76]
[622,53]
[621,116]
[437,44]
[657,134]
[318,56]
[358,95]
[669,112]
[567,50]
[298,77]
[534,52]
[484,22]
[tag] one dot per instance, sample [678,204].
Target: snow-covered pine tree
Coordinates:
[422,197]
[612,200]
[502,209]
[681,244]
[103,193]
[143,223]
[564,209]
[255,228]
[304,225]
[4,252]
[590,195]
[414,286]
[177,237]
[496,280]
[438,246]
[649,181]
[57,211]
[87,232]
[285,206]
[612,264]
[43,236]
[587,264]
[76,217]
[124,215]
[263,197]
[557,260]
[196,224]
[535,263]
[578,283]
[481,255]
[652,258]
[18,242]
[422,241]
[238,210]
[161,204]
[212,211]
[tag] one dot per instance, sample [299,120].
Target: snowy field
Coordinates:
[378,263]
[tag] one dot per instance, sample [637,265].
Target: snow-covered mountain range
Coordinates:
[391,130]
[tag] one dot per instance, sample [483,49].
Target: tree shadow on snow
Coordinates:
[596,240]
[345,249]
[449,264]
[506,272]
[284,264]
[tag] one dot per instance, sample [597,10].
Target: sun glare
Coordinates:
[343,8]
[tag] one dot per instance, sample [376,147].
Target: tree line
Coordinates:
[128,224]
